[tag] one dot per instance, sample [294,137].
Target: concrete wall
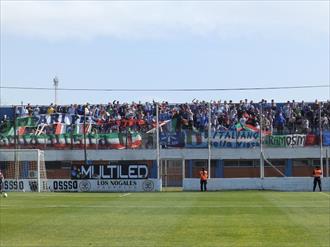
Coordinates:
[280,184]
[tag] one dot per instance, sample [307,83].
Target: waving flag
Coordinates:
[115,141]
[26,122]
[79,128]
[134,140]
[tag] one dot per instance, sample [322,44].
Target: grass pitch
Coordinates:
[241,218]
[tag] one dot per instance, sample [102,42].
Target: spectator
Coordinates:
[115,116]
[280,122]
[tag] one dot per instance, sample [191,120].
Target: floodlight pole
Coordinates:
[55,80]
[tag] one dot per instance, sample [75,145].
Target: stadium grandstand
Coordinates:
[161,123]
[168,143]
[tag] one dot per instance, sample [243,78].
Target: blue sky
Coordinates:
[143,44]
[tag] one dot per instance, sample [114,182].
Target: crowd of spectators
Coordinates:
[279,118]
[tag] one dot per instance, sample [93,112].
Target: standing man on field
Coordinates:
[203,179]
[317,174]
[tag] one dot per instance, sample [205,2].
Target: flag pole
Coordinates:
[209,141]
[321,140]
[262,164]
[327,162]
[157,141]
[85,144]
[15,144]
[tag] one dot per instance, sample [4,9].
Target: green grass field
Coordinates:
[240,218]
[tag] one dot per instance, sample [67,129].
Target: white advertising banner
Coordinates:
[84,185]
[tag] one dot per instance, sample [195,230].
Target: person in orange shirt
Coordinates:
[203,179]
[317,174]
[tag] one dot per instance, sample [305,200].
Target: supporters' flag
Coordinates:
[311,139]
[172,139]
[22,123]
[249,127]
[28,138]
[21,140]
[134,140]
[115,141]
[239,127]
[195,139]
[246,127]
[26,122]
[154,125]
[60,139]
[20,131]
[92,139]
[59,128]
[79,128]
[40,129]
[7,131]
[42,139]
[68,139]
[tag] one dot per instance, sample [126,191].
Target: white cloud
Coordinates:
[61,20]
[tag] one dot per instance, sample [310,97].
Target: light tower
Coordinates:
[55,80]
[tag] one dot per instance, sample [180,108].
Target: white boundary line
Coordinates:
[323,193]
[127,194]
[5,206]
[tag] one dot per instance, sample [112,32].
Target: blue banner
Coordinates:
[172,139]
[235,139]
[326,138]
